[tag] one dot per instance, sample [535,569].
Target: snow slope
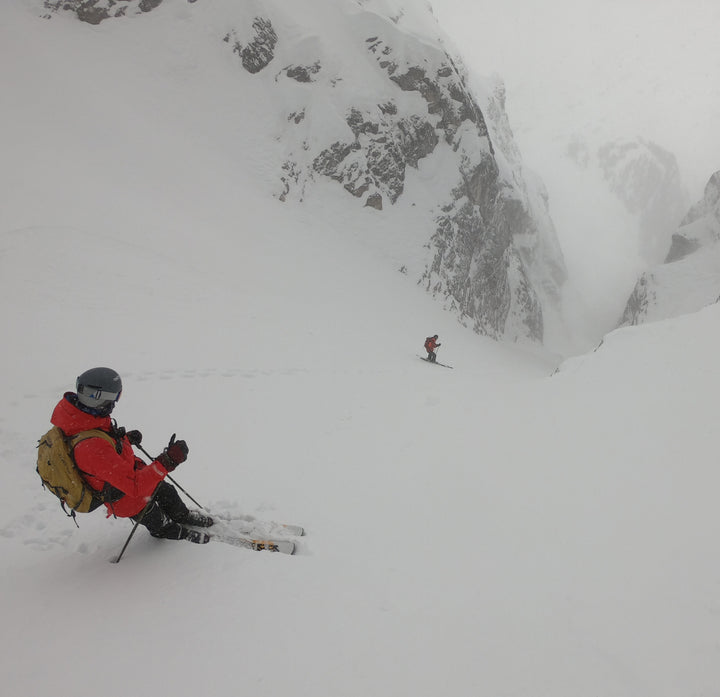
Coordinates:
[492,529]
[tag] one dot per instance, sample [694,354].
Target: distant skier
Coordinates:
[132,488]
[431,343]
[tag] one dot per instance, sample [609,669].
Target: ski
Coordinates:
[292,530]
[282,546]
[245,525]
[435,362]
[245,532]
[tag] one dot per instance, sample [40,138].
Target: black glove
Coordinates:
[175,454]
[166,462]
[135,437]
[438,345]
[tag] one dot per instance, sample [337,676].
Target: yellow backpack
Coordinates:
[60,474]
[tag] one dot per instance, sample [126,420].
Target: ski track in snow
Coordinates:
[189,374]
[43,529]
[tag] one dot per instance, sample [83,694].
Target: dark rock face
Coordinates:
[148,5]
[445,95]
[90,11]
[443,90]
[639,301]
[259,51]
[376,160]
[96,11]
[303,73]
[384,143]
[477,268]
[374,201]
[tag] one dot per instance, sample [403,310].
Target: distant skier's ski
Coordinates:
[282,546]
[435,362]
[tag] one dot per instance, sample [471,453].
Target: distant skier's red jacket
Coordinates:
[101,462]
[431,343]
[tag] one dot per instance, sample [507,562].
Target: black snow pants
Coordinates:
[166,513]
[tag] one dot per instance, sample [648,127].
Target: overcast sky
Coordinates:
[613,67]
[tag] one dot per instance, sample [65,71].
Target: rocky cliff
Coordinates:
[689,278]
[365,101]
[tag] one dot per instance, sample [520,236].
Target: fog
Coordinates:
[604,69]
[597,71]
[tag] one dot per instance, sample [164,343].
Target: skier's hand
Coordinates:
[177,450]
[174,455]
[134,436]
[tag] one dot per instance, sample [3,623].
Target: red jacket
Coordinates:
[101,462]
[431,343]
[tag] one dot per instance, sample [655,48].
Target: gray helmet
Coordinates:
[98,389]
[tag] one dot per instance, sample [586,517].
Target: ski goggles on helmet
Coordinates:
[97,395]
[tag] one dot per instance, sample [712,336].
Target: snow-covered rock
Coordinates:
[701,226]
[690,277]
[96,11]
[362,99]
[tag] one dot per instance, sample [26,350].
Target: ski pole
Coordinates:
[147,454]
[135,526]
[186,493]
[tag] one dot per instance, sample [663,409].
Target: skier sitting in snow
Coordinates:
[136,489]
[431,343]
